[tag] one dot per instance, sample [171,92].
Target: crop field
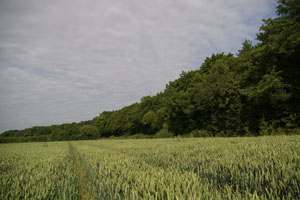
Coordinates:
[177,168]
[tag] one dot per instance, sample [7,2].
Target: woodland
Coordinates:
[252,93]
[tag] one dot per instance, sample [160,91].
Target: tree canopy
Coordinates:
[255,92]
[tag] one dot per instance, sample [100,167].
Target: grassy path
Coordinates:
[83,174]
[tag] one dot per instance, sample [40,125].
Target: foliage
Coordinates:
[163,133]
[199,133]
[140,136]
[89,132]
[229,95]
[256,92]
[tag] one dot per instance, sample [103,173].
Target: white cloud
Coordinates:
[64,61]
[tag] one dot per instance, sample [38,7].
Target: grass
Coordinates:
[178,168]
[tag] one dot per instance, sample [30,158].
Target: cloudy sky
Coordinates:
[68,60]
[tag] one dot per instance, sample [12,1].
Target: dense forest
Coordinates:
[255,92]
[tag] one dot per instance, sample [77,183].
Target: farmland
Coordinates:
[177,168]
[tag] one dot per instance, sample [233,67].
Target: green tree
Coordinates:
[89,132]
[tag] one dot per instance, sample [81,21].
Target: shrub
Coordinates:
[163,133]
[199,133]
[89,132]
[112,137]
[139,136]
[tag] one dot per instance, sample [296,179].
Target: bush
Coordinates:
[163,133]
[199,133]
[265,128]
[89,132]
[294,131]
[112,137]
[281,131]
[140,136]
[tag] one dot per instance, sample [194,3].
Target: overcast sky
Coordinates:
[69,60]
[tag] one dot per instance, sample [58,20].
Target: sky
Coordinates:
[64,61]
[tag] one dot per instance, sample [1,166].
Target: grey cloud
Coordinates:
[65,61]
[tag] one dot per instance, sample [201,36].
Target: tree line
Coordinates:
[255,92]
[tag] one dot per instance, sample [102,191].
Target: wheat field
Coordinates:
[177,168]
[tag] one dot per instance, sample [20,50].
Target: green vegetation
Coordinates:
[178,168]
[89,132]
[255,92]
[36,171]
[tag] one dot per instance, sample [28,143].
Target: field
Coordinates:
[208,168]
